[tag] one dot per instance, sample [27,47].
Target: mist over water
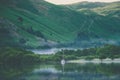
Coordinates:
[45,51]
[52,50]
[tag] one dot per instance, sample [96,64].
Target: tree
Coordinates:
[20,19]
[101,53]
[22,41]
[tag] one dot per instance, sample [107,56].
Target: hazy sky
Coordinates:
[74,1]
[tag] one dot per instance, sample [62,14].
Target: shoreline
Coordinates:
[97,61]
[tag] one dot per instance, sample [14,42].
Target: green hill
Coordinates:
[39,24]
[101,8]
[112,9]
[86,4]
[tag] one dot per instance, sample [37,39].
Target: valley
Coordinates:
[36,25]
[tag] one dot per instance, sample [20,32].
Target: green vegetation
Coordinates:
[107,9]
[107,51]
[112,10]
[20,57]
[86,5]
[17,56]
[31,24]
[36,24]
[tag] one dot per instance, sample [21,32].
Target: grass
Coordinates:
[56,23]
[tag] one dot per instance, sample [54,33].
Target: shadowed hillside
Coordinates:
[39,24]
[110,9]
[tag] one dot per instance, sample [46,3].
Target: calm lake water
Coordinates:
[70,71]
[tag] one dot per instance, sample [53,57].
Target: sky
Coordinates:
[75,1]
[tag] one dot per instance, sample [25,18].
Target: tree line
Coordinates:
[18,56]
[106,51]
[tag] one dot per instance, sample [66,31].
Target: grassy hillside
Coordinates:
[87,5]
[111,9]
[36,24]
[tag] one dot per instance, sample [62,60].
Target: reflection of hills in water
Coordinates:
[74,72]
[9,72]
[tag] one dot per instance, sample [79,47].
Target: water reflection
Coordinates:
[9,72]
[65,72]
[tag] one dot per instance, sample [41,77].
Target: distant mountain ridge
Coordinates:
[102,8]
[86,4]
[39,24]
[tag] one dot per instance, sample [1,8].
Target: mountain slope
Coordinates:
[36,24]
[111,9]
[87,5]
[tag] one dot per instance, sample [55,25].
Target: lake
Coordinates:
[56,71]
